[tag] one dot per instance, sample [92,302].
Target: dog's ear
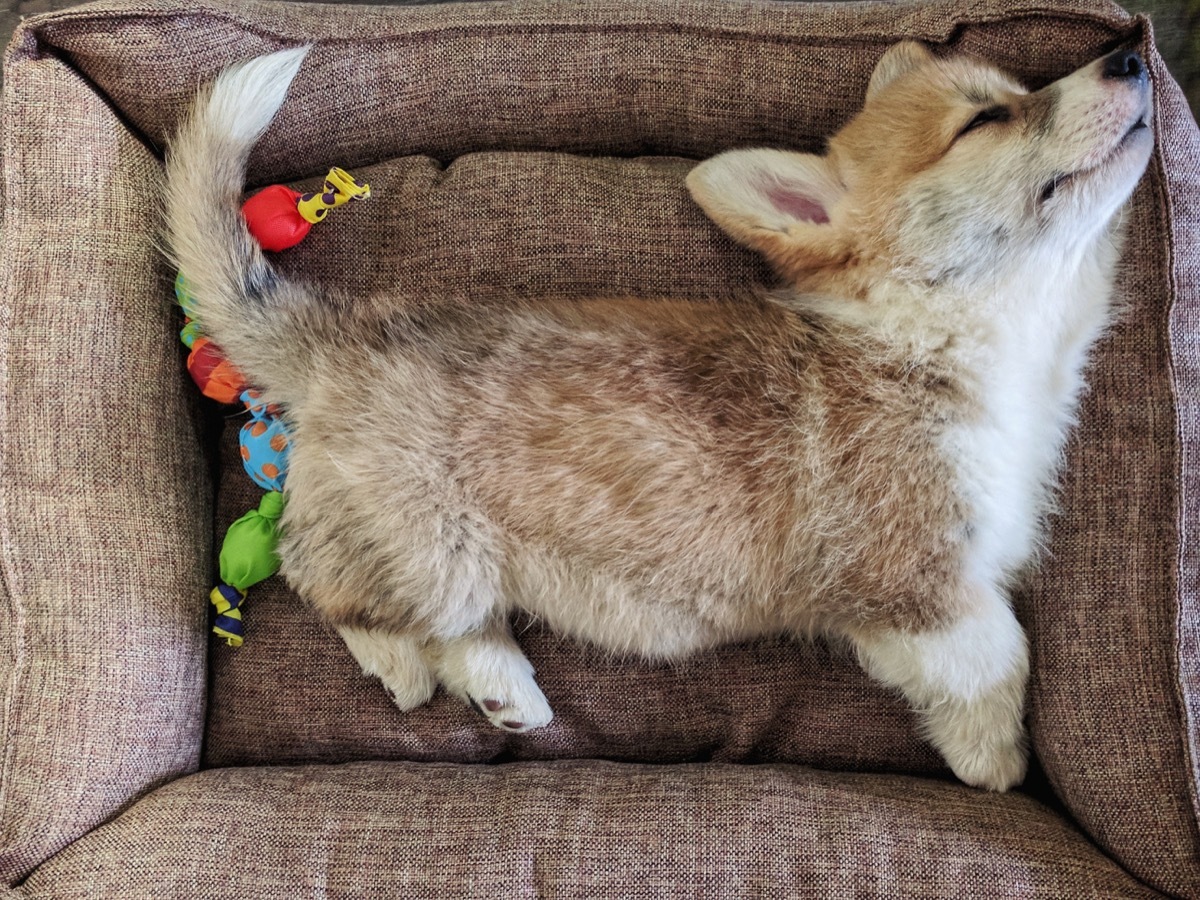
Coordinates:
[778,203]
[900,59]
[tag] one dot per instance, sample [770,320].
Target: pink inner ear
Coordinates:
[797,204]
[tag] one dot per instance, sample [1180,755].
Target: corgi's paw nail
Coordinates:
[492,705]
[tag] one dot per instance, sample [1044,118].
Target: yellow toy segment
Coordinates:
[340,187]
[228,624]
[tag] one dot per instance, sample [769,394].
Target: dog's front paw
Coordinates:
[991,767]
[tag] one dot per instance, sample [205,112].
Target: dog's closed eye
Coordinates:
[986,117]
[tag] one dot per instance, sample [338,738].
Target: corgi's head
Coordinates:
[952,172]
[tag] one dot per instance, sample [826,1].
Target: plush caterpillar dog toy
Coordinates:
[278,217]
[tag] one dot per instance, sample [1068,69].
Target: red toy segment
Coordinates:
[273,219]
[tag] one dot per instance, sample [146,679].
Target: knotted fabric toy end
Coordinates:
[228,623]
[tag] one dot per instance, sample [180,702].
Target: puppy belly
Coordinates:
[625,616]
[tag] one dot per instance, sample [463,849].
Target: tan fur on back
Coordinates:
[731,460]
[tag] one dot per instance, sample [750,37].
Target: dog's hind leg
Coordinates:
[396,660]
[967,681]
[487,669]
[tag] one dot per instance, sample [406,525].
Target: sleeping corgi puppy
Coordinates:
[867,453]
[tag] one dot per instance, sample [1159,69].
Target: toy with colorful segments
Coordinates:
[278,217]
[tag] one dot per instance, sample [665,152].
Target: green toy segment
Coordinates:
[190,333]
[183,296]
[248,554]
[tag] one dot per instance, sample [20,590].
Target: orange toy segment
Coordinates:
[213,373]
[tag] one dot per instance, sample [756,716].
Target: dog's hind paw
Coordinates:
[396,661]
[490,672]
[515,710]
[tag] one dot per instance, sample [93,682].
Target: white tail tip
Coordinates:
[246,96]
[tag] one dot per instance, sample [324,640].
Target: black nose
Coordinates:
[1124,64]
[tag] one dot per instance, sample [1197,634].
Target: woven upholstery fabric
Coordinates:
[1180,201]
[1113,609]
[104,574]
[577,829]
[105,505]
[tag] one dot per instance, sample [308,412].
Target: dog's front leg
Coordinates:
[967,680]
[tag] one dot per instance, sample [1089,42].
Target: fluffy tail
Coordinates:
[241,302]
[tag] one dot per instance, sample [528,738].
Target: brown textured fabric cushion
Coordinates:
[1112,613]
[574,829]
[105,502]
